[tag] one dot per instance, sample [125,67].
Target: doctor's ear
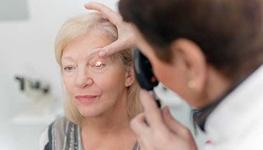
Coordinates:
[130,76]
[190,56]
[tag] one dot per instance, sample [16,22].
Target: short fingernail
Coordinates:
[167,111]
[143,92]
[102,53]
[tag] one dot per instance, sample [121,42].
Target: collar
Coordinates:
[200,115]
[240,111]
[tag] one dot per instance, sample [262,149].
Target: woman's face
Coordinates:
[96,86]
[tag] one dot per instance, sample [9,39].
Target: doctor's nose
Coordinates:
[83,79]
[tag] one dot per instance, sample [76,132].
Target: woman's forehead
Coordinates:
[87,46]
[91,56]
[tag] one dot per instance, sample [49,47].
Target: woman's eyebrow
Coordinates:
[92,54]
[67,58]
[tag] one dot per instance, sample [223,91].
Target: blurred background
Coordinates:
[31,93]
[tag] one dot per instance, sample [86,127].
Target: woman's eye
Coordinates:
[99,64]
[68,68]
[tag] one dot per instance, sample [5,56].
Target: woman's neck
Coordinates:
[105,124]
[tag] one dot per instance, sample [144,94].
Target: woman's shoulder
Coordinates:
[61,124]
[57,132]
[61,127]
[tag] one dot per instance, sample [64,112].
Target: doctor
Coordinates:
[211,54]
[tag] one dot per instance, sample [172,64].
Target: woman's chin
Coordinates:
[90,113]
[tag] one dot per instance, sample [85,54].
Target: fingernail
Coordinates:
[102,53]
[86,6]
[144,93]
[167,111]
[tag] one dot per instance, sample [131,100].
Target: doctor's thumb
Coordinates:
[173,125]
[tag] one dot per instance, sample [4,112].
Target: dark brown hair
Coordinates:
[229,32]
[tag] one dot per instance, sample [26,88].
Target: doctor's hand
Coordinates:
[157,130]
[126,37]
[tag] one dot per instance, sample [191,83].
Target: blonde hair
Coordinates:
[83,24]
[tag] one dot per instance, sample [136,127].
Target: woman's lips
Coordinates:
[86,98]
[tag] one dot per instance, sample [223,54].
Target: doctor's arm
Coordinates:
[126,38]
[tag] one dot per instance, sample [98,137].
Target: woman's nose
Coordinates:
[83,79]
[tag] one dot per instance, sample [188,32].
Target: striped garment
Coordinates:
[63,134]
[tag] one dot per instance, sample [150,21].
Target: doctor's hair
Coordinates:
[85,24]
[229,32]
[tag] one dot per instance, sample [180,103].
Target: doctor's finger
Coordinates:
[114,47]
[173,125]
[152,112]
[139,125]
[113,16]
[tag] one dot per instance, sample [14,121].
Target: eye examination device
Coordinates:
[144,73]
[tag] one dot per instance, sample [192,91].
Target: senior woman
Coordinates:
[102,92]
[210,52]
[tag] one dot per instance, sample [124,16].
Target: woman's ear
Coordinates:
[130,76]
[192,58]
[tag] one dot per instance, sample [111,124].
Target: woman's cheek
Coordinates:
[109,81]
[69,84]
[102,82]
